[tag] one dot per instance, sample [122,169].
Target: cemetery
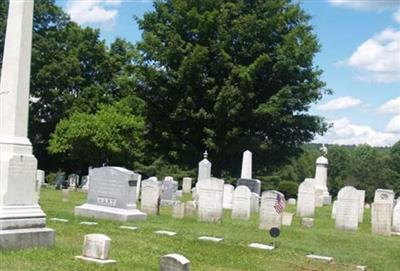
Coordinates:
[121,187]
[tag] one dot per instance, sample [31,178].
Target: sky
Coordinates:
[360,57]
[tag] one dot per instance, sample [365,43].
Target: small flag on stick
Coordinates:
[279,204]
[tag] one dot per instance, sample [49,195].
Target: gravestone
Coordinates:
[190,208]
[287,219]
[292,201]
[384,196]
[381,218]
[96,248]
[60,181]
[333,215]
[228,196]
[307,222]
[270,217]
[204,168]
[306,199]
[241,206]
[73,180]
[187,185]
[85,183]
[361,205]
[112,195]
[255,202]
[168,191]
[210,193]
[174,262]
[321,179]
[40,177]
[246,174]
[150,195]
[396,218]
[178,210]
[347,208]
[22,220]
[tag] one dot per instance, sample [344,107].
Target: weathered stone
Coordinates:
[347,208]
[306,199]
[361,205]
[228,196]
[174,262]
[210,238]
[241,207]
[320,258]
[169,233]
[253,184]
[307,222]
[287,219]
[247,163]
[381,218]
[112,195]
[255,203]
[150,195]
[334,208]
[292,201]
[178,210]
[261,246]
[210,199]
[96,248]
[269,215]
[384,196]
[168,191]
[396,218]
[187,185]
[190,208]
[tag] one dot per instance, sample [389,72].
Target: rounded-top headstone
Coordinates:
[174,262]
[96,246]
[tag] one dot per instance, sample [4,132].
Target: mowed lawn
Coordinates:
[141,249]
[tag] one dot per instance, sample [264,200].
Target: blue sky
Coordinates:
[360,57]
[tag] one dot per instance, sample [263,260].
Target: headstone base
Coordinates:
[102,212]
[95,260]
[253,184]
[26,238]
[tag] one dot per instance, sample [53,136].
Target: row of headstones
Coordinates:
[96,248]
[348,209]
[211,196]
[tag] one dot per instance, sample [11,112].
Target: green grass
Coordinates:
[141,249]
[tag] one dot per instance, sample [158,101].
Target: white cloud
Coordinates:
[394,125]
[390,107]
[340,103]
[366,4]
[344,132]
[378,58]
[101,12]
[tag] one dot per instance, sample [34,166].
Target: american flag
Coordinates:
[279,204]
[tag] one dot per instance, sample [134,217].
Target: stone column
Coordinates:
[320,181]
[22,221]
[247,165]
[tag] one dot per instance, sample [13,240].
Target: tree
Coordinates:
[72,71]
[229,76]
[114,134]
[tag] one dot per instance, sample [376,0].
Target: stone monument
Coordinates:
[150,195]
[22,221]
[112,195]
[246,175]
[174,262]
[396,218]
[169,187]
[187,185]
[228,196]
[204,168]
[322,196]
[270,216]
[96,248]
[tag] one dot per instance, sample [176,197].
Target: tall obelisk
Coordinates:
[22,221]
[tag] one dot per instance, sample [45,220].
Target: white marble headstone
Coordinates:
[228,196]
[210,193]
[241,207]
[269,216]
[306,199]
[347,209]
[150,195]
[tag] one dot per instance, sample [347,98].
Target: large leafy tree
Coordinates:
[229,76]
[72,71]
[113,134]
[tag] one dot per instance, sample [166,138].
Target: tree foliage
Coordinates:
[229,76]
[114,134]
